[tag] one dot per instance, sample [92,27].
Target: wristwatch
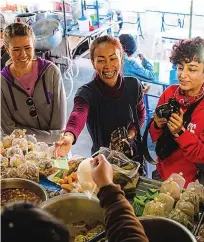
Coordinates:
[180,133]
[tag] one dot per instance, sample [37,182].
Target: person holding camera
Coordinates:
[178,126]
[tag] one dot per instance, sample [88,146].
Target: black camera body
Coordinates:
[165,110]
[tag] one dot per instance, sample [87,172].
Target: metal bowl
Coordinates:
[74,207]
[159,229]
[26,184]
[48,33]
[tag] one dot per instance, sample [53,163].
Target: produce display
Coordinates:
[23,157]
[172,201]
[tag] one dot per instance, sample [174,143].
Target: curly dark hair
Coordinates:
[187,51]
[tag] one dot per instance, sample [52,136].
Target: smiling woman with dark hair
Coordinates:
[188,55]
[104,103]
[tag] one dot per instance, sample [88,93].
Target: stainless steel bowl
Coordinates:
[26,184]
[74,207]
[159,229]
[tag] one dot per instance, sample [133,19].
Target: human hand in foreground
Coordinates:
[101,171]
[63,146]
[160,122]
[175,123]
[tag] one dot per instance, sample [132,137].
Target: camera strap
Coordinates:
[186,120]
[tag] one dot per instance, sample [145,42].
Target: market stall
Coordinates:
[29,172]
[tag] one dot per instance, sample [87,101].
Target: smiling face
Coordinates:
[107,62]
[191,77]
[21,50]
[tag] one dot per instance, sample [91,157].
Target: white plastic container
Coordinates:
[83,23]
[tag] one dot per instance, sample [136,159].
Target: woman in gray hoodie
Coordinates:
[32,91]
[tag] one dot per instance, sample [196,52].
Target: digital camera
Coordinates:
[165,110]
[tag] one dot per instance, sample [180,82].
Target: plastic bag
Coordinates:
[4,162]
[171,187]
[18,133]
[154,208]
[7,141]
[191,196]
[168,202]
[117,158]
[41,147]
[16,160]
[85,178]
[22,143]
[2,149]
[28,171]
[199,189]
[179,216]
[187,208]
[14,150]
[178,178]
[31,138]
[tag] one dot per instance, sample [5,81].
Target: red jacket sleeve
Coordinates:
[192,146]
[78,117]
[120,220]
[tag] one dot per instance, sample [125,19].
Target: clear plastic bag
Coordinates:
[4,162]
[28,171]
[168,202]
[179,216]
[16,160]
[18,133]
[118,158]
[187,208]
[199,189]
[192,197]
[22,143]
[85,178]
[7,141]
[178,178]
[154,208]
[171,187]
[13,150]
[41,147]
[31,138]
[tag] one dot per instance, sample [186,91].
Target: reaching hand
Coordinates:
[175,122]
[101,171]
[63,146]
[160,122]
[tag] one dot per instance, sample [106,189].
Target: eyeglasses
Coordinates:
[33,112]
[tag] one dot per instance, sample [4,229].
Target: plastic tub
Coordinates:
[83,23]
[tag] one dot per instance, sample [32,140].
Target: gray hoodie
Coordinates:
[49,98]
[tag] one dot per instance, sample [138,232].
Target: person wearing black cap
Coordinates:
[131,67]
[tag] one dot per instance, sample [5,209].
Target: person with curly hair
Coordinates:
[188,56]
